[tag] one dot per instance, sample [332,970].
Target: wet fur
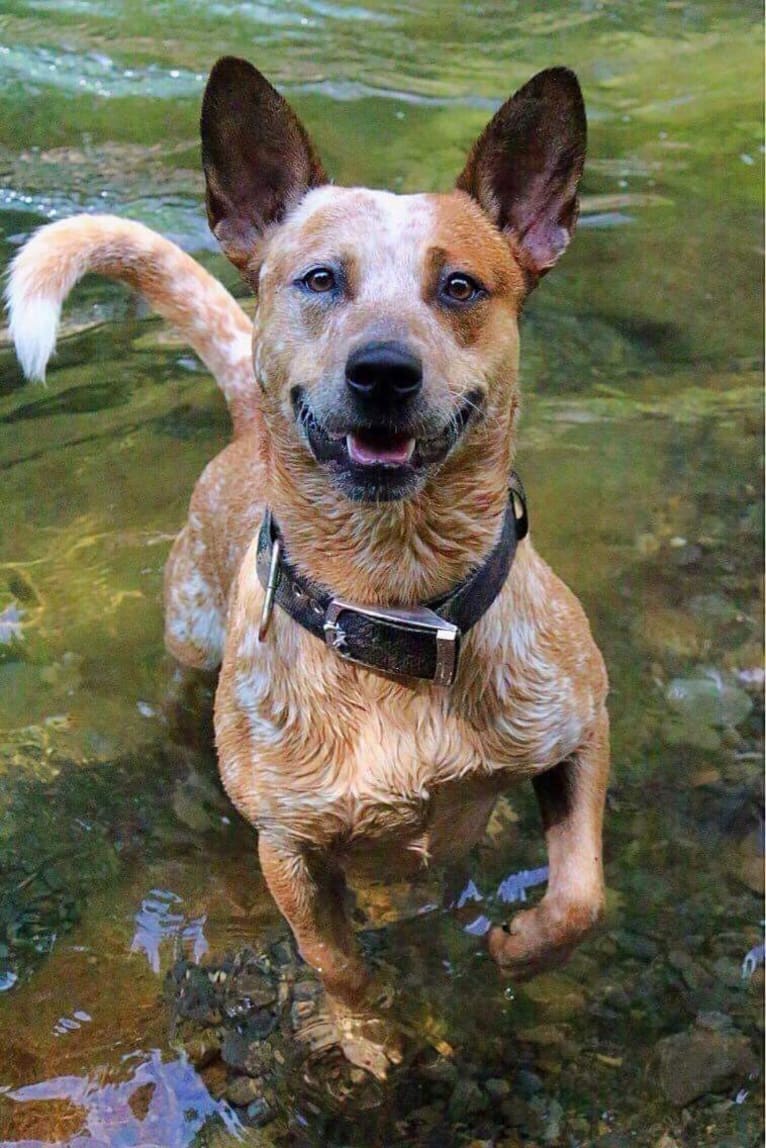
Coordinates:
[332,763]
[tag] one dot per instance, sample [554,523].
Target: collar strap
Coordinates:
[412,642]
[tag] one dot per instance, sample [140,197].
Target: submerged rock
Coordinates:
[557,995]
[709,700]
[467,1099]
[703,1059]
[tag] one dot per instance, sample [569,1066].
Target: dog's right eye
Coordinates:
[320,280]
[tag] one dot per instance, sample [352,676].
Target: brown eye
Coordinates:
[319,280]
[461,288]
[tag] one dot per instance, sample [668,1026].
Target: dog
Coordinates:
[393,653]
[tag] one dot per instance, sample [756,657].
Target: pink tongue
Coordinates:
[397,452]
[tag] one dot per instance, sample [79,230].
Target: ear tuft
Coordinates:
[258,158]
[525,168]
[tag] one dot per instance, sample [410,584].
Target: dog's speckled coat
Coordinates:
[332,763]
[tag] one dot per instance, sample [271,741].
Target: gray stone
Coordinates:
[551,1133]
[306,990]
[496,1088]
[467,1099]
[442,1071]
[528,1083]
[636,945]
[260,1112]
[702,1060]
[728,972]
[515,1111]
[715,1021]
[243,1090]
[244,1051]
[709,700]
[556,995]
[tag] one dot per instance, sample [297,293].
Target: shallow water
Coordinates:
[641,453]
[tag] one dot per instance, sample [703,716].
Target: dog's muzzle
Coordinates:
[380,454]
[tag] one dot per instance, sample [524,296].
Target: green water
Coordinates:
[641,452]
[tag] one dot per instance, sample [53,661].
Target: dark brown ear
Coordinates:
[258,159]
[525,167]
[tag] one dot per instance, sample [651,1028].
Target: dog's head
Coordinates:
[386,337]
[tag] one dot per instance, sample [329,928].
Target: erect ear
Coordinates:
[525,167]
[258,159]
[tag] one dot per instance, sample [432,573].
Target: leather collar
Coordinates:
[420,642]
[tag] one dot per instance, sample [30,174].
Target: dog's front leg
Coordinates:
[310,892]
[571,798]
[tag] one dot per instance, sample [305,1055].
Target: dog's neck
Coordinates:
[402,552]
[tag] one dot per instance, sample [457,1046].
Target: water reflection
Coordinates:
[156,922]
[160,1103]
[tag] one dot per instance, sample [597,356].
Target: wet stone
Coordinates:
[467,1099]
[497,1089]
[709,700]
[300,1011]
[244,1052]
[558,996]
[636,945]
[428,1115]
[715,1021]
[515,1111]
[194,997]
[306,990]
[440,1071]
[284,956]
[203,1051]
[260,1112]
[543,1035]
[528,1083]
[615,997]
[697,979]
[702,1060]
[679,959]
[728,972]
[243,1090]
[551,1132]
[254,990]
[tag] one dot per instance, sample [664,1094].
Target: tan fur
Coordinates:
[214,324]
[333,764]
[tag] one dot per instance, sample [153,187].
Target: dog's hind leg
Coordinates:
[195,613]
[571,798]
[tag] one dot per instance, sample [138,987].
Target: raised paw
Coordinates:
[541,938]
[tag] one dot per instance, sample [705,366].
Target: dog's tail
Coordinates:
[49,265]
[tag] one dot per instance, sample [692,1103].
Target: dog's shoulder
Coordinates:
[536,680]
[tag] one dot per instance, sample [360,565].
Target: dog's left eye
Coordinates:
[459,288]
[319,280]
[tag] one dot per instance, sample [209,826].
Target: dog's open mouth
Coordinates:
[378,462]
[379,448]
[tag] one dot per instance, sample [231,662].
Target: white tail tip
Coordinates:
[33,325]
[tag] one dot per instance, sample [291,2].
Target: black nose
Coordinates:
[384,372]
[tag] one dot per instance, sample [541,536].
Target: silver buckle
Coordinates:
[271,589]
[419,619]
